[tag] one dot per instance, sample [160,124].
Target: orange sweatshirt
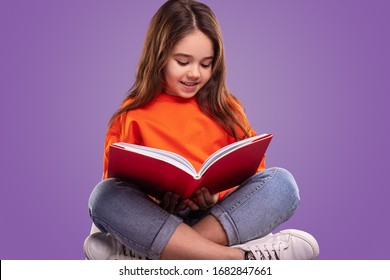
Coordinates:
[170,123]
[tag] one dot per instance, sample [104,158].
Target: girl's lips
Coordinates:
[189,84]
[189,87]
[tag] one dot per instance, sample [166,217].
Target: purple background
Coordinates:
[314,73]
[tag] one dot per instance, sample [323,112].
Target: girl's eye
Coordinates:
[182,63]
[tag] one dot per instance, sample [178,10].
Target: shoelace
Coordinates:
[134,254]
[266,253]
[123,253]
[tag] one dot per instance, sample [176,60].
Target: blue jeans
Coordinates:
[254,209]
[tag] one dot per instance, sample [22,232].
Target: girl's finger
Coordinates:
[173,203]
[201,199]
[208,198]
[166,200]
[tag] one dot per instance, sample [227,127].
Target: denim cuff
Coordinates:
[165,233]
[227,223]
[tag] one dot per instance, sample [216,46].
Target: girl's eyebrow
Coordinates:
[190,56]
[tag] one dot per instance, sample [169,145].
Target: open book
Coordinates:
[157,171]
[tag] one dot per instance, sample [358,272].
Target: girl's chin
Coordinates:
[183,94]
[187,95]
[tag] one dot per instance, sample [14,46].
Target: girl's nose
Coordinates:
[193,74]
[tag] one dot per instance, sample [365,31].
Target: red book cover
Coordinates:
[157,171]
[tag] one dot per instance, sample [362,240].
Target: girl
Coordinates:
[179,102]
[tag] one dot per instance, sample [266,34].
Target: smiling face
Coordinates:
[189,65]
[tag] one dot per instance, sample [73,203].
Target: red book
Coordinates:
[157,171]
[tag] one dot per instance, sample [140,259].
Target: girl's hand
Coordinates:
[202,200]
[172,203]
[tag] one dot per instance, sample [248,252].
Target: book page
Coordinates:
[163,155]
[226,150]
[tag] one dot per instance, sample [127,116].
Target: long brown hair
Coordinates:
[172,22]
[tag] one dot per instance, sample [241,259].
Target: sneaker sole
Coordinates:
[87,254]
[103,236]
[307,237]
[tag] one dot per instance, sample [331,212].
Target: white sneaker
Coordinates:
[288,244]
[103,246]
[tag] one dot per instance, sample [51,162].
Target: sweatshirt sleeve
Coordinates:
[113,135]
[123,129]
